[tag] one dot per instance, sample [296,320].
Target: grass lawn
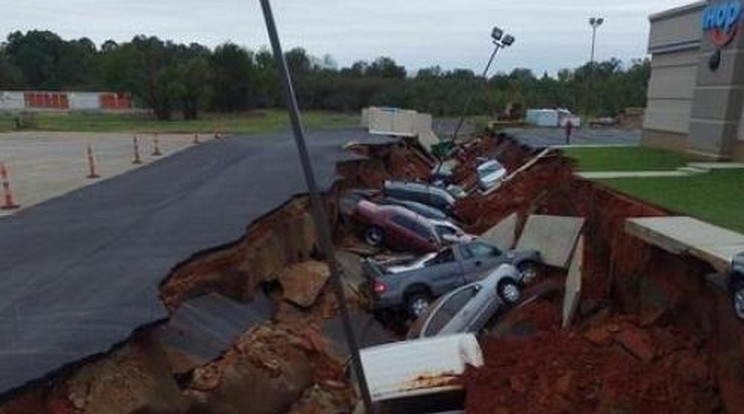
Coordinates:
[717,197]
[243,123]
[625,159]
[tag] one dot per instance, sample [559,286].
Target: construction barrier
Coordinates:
[92,173]
[8,203]
[137,159]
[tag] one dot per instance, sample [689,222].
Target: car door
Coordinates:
[479,259]
[443,273]
[411,235]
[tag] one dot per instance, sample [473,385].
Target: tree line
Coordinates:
[172,78]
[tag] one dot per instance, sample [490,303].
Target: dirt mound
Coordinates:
[613,367]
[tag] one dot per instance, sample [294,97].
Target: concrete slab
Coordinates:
[686,235]
[572,292]
[203,328]
[553,236]
[604,175]
[504,234]
[45,165]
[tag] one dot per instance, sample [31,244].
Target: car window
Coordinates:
[482,251]
[446,231]
[449,309]
[444,257]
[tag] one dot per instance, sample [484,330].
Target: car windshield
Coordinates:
[445,256]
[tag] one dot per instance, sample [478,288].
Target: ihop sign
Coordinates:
[721,21]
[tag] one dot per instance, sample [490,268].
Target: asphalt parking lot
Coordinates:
[549,137]
[45,165]
[81,272]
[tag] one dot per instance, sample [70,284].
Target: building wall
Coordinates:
[10,101]
[670,91]
[63,101]
[674,43]
[692,107]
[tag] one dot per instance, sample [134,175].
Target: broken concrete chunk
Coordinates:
[303,282]
[553,236]
[572,294]
[503,234]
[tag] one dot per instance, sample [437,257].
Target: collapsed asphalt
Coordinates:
[80,273]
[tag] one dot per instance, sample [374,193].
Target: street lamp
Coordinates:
[594,22]
[500,40]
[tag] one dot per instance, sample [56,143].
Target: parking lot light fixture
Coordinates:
[500,40]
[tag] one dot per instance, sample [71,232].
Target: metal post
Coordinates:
[590,99]
[321,222]
[470,98]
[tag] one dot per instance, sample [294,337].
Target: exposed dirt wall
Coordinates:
[653,335]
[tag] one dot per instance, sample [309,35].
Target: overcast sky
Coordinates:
[551,34]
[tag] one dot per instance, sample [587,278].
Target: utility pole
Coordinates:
[320,217]
[594,22]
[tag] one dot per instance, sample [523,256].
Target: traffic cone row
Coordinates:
[8,203]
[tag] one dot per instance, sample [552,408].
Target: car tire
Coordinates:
[509,292]
[528,272]
[374,236]
[737,297]
[417,304]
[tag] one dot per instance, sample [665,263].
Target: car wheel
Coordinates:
[417,305]
[737,298]
[374,236]
[509,291]
[528,272]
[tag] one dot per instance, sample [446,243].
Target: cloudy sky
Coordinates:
[551,34]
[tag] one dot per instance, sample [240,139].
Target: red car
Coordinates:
[396,227]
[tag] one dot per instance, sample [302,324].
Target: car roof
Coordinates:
[390,210]
[417,205]
[418,186]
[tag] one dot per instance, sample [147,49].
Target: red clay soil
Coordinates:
[678,349]
[519,195]
[612,366]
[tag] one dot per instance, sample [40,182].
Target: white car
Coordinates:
[469,308]
[490,175]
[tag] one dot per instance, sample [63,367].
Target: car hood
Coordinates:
[408,266]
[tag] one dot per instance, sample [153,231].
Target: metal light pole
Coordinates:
[500,41]
[320,218]
[594,22]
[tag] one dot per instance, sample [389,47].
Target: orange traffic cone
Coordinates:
[8,204]
[92,174]
[156,146]
[137,159]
